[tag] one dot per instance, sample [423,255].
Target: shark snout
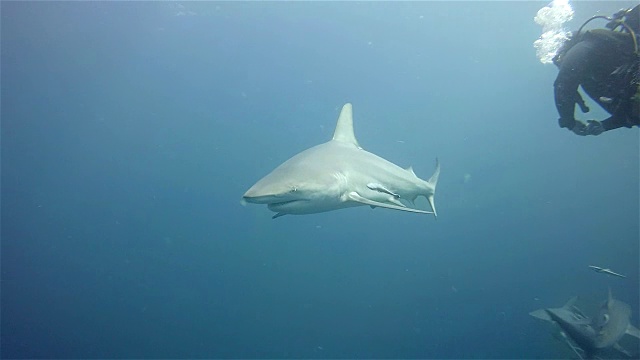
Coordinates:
[255,196]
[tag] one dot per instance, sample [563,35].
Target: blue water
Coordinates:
[130,131]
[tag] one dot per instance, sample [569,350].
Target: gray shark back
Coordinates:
[573,323]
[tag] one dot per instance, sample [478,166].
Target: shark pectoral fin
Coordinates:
[541,314]
[278,215]
[633,331]
[354,196]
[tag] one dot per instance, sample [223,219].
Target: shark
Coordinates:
[612,323]
[339,174]
[586,336]
[573,324]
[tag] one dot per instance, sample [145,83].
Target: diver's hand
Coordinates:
[579,128]
[592,127]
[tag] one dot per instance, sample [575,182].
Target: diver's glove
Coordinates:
[579,128]
[592,127]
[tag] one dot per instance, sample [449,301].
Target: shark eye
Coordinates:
[294,189]
[605,318]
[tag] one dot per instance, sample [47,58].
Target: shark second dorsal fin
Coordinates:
[344,127]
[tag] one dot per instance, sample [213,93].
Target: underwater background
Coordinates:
[130,131]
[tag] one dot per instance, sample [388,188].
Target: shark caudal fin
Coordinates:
[433,181]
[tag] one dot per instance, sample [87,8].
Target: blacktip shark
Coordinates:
[606,271]
[587,336]
[339,174]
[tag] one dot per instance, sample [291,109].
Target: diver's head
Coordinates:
[630,17]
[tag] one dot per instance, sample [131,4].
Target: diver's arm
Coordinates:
[572,70]
[614,122]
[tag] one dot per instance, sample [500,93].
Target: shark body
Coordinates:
[573,323]
[612,323]
[588,337]
[340,174]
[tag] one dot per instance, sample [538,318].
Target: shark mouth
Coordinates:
[284,205]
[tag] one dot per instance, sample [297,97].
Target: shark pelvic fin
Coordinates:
[433,181]
[344,128]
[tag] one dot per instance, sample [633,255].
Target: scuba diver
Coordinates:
[605,62]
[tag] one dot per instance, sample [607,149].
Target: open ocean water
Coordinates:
[130,131]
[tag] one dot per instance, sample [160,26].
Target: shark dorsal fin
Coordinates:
[344,127]
[571,302]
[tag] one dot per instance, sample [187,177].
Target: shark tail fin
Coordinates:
[433,181]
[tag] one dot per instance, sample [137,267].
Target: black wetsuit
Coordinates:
[590,63]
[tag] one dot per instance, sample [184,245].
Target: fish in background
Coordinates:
[606,271]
